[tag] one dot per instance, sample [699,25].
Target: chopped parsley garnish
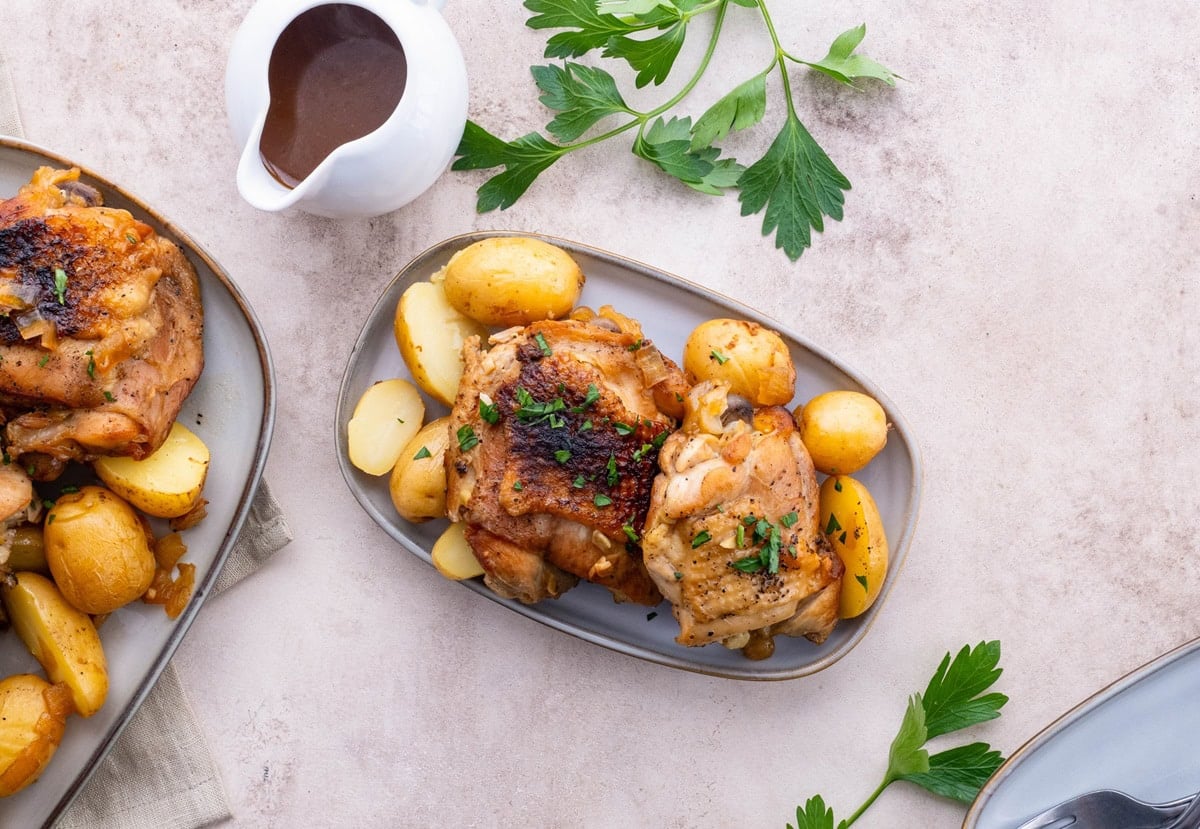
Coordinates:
[652,615]
[60,286]
[67,490]
[42,362]
[579,482]
[50,518]
[630,532]
[7,458]
[422,453]
[602,500]
[638,454]
[587,424]
[702,537]
[530,410]
[91,365]
[489,411]
[718,356]
[610,470]
[678,576]
[400,420]
[518,486]
[593,394]
[131,239]
[863,581]
[541,344]
[562,455]
[636,345]
[832,526]
[789,519]
[741,536]
[658,440]
[622,428]
[109,396]
[749,564]
[837,486]
[467,438]
[48,504]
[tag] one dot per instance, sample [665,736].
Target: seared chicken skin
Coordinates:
[100,327]
[732,537]
[554,437]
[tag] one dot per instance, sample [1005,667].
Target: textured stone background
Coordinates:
[1017,269]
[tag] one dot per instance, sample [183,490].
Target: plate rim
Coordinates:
[900,547]
[1070,718]
[203,589]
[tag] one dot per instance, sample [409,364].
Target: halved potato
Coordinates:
[62,639]
[418,482]
[33,716]
[753,360]
[430,334]
[453,556]
[168,483]
[851,521]
[386,417]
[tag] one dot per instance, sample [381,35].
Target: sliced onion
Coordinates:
[32,324]
[650,361]
[17,296]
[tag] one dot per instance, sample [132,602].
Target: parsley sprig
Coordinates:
[795,185]
[956,698]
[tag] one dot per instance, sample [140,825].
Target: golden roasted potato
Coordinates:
[62,639]
[430,334]
[842,430]
[168,483]
[753,360]
[33,715]
[513,280]
[97,549]
[453,556]
[418,482]
[851,522]
[387,416]
[27,552]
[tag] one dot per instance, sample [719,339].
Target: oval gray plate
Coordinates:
[668,308]
[1138,735]
[232,409]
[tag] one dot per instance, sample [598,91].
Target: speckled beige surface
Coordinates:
[1018,269]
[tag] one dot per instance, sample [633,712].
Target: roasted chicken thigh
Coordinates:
[732,537]
[554,436]
[100,327]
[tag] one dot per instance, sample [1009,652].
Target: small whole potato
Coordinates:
[33,716]
[513,280]
[97,550]
[842,430]
[418,482]
[753,360]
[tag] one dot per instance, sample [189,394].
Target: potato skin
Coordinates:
[842,430]
[62,639]
[418,485]
[753,360]
[97,549]
[33,716]
[513,280]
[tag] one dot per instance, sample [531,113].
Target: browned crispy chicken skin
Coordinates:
[732,537]
[100,327]
[554,437]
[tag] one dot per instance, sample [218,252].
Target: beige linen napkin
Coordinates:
[160,774]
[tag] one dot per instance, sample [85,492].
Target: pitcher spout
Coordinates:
[256,184]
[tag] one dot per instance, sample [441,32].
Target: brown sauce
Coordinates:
[336,73]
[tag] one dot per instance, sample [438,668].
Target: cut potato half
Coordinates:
[33,716]
[430,334]
[453,556]
[168,483]
[62,639]
[851,521]
[385,419]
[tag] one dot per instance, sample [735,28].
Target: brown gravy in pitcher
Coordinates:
[336,73]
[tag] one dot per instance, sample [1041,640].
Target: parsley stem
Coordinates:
[641,119]
[779,57]
[850,820]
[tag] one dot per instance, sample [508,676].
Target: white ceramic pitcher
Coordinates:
[383,170]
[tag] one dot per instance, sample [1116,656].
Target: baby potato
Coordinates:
[850,520]
[418,482]
[387,416]
[430,334]
[513,281]
[97,550]
[62,639]
[753,360]
[842,430]
[453,556]
[166,484]
[33,715]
